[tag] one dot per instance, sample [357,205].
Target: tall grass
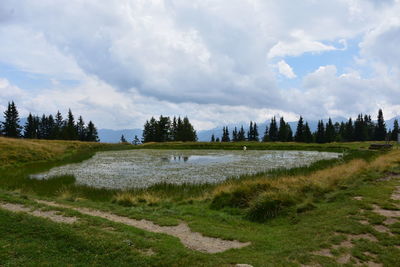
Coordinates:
[265,197]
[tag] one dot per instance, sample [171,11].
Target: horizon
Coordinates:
[120,63]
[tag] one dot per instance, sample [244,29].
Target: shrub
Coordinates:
[268,205]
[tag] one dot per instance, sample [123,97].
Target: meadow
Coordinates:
[289,217]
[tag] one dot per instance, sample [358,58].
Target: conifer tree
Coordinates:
[70,130]
[299,136]
[360,129]
[308,138]
[370,127]
[330,134]
[395,130]
[341,132]
[30,128]
[11,127]
[136,140]
[217,140]
[250,132]
[266,135]
[290,133]
[123,139]
[235,135]
[225,135]
[241,135]
[320,135]
[283,132]
[81,129]
[92,135]
[212,138]
[273,130]
[380,129]
[349,131]
[189,131]
[58,126]
[255,132]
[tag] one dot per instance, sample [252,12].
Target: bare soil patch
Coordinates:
[386,213]
[396,194]
[382,229]
[192,240]
[363,236]
[51,215]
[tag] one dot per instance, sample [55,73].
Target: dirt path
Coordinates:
[52,215]
[192,240]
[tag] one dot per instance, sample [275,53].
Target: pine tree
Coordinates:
[349,131]
[395,130]
[290,133]
[308,138]
[81,129]
[217,140]
[189,131]
[123,140]
[380,129]
[11,127]
[250,132]
[212,138]
[320,135]
[58,126]
[30,129]
[266,135]
[273,131]
[299,136]
[360,129]
[136,140]
[235,135]
[341,133]
[370,127]
[283,132]
[70,130]
[150,130]
[241,135]
[225,135]
[91,132]
[330,134]
[255,133]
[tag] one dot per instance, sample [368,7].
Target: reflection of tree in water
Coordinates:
[178,158]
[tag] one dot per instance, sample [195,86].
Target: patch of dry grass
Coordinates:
[21,151]
[132,199]
[264,197]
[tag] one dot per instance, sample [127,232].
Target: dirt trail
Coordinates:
[192,240]
[52,215]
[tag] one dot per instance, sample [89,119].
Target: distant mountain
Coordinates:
[389,123]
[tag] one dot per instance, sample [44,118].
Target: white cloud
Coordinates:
[286,70]
[207,59]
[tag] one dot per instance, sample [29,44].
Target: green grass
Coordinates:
[332,147]
[317,219]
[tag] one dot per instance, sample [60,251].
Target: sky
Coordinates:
[119,62]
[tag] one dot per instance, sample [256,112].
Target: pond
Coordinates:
[143,168]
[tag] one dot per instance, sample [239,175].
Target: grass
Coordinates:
[331,147]
[302,210]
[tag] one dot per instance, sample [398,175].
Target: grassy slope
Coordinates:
[17,152]
[285,240]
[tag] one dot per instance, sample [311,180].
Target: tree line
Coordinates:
[362,129]
[47,127]
[164,129]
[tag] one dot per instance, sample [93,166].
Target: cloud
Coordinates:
[133,59]
[286,70]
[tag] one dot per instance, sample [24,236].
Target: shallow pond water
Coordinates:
[143,168]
